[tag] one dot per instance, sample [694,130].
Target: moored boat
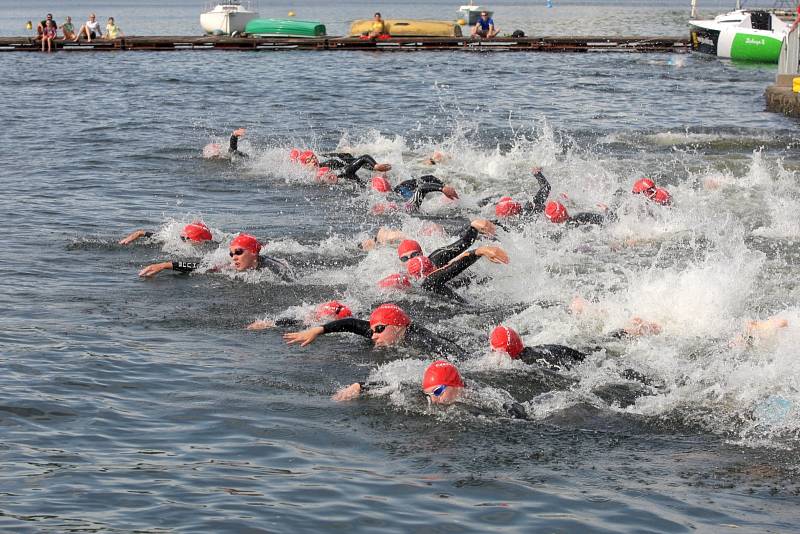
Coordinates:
[284,28]
[226,18]
[409,28]
[741,35]
[471,13]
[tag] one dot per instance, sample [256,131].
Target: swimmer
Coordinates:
[414,190]
[323,312]
[195,233]
[436,158]
[507,207]
[214,150]
[388,326]
[441,384]
[557,213]
[346,165]
[647,188]
[409,248]
[434,280]
[244,253]
[555,357]
[635,327]
[759,331]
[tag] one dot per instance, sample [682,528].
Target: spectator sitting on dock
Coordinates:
[91,29]
[378,28]
[112,30]
[48,34]
[41,26]
[68,29]
[485,27]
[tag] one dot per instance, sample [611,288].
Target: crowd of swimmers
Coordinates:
[437,274]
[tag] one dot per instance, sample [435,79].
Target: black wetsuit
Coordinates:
[442,256]
[413,191]
[554,357]
[233,148]
[264,262]
[347,165]
[585,218]
[435,282]
[418,337]
[533,207]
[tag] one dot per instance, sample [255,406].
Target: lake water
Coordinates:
[144,405]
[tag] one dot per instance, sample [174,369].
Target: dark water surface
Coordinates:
[145,405]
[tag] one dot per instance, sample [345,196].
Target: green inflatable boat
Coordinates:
[284,28]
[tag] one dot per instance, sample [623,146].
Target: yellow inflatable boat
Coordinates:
[409,28]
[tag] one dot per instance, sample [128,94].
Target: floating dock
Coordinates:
[505,44]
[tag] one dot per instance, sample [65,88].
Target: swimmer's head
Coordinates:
[212,150]
[381,184]
[332,310]
[197,232]
[662,196]
[388,323]
[644,186]
[442,383]
[507,207]
[420,267]
[407,249]
[244,250]
[308,158]
[556,212]
[394,281]
[505,339]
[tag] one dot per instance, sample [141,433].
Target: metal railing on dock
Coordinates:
[529,44]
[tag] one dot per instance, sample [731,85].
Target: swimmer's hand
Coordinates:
[155,268]
[493,254]
[306,337]
[261,325]
[450,192]
[138,234]
[386,236]
[536,170]
[383,167]
[239,132]
[348,393]
[484,226]
[368,244]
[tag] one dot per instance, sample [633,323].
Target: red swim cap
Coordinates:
[642,185]
[324,174]
[333,309]
[390,315]
[197,232]
[408,247]
[381,184]
[662,196]
[394,281]
[556,212]
[507,340]
[247,242]
[441,373]
[294,155]
[306,157]
[420,266]
[507,207]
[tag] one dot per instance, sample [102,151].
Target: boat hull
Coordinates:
[215,22]
[740,36]
[409,28]
[285,28]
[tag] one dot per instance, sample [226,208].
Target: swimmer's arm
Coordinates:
[540,200]
[180,266]
[442,256]
[306,337]
[437,279]
[133,236]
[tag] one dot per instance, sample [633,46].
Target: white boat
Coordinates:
[471,13]
[741,35]
[227,17]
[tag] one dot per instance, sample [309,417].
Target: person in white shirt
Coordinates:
[91,29]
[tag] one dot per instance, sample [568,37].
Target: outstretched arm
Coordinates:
[133,236]
[306,337]
[180,266]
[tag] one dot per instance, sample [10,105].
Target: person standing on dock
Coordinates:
[485,28]
[91,29]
